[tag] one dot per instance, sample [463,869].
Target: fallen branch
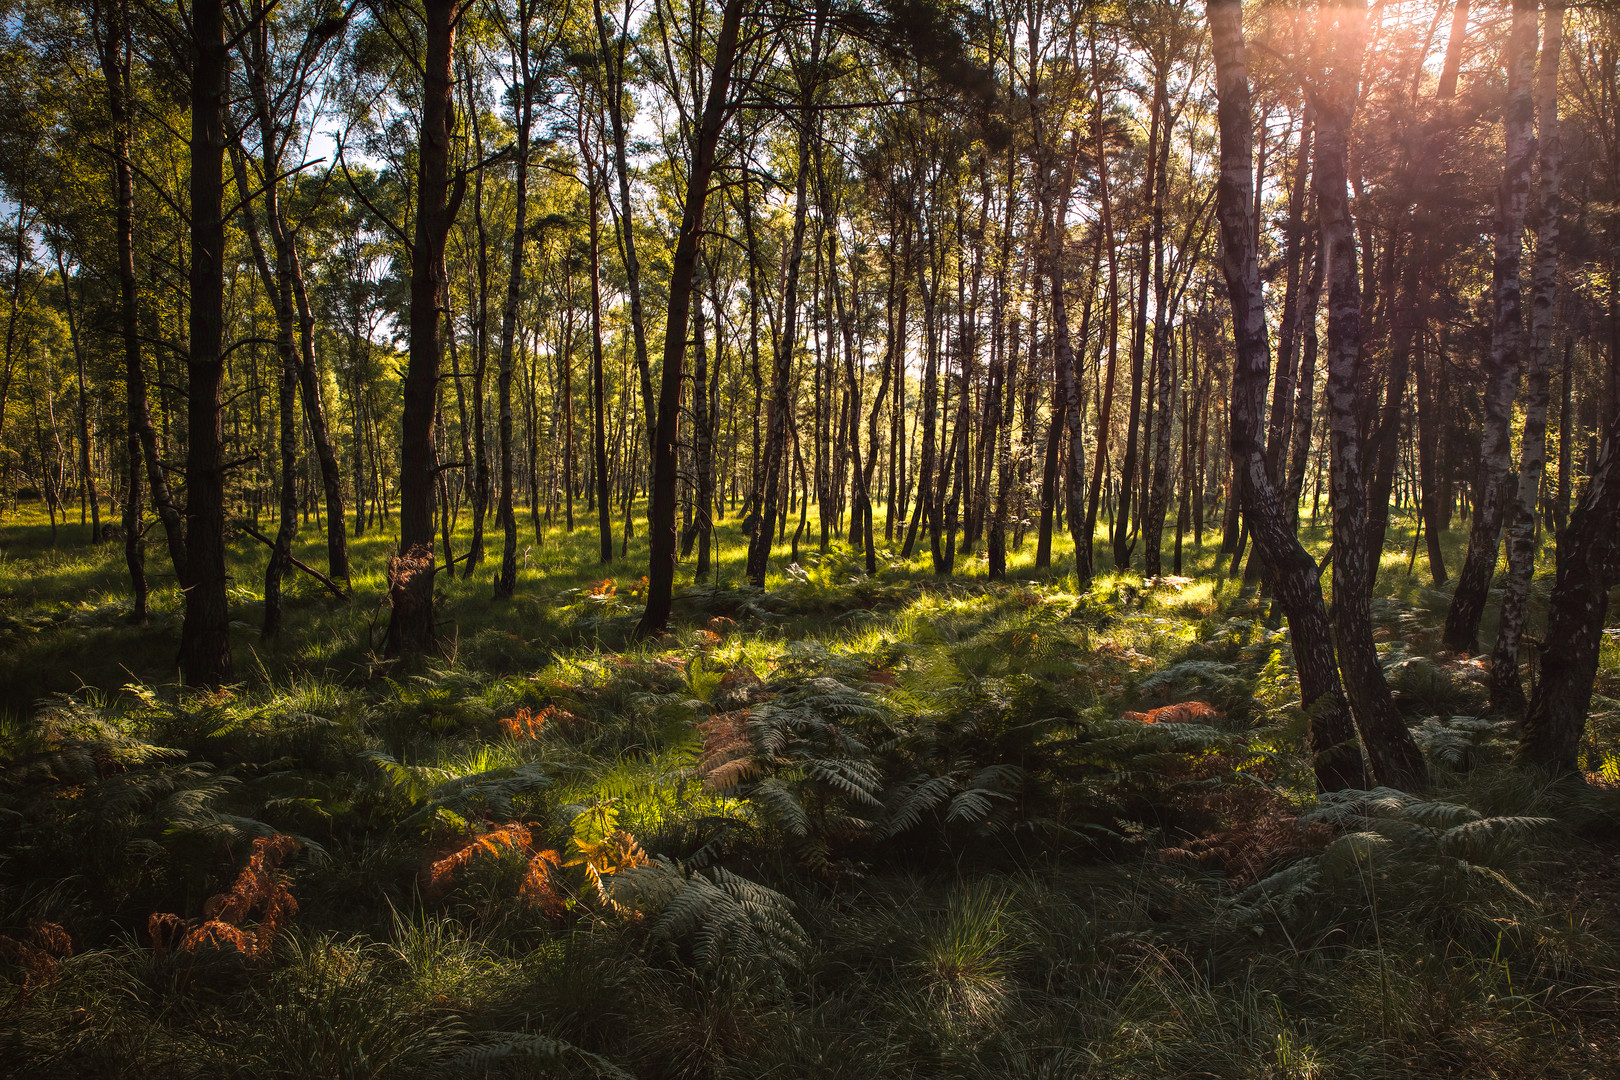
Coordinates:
[337,590]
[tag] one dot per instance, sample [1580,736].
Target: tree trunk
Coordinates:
[702,440]
[87,472]
[1494,475]
[683,267]
[776,438]
[1123,544]
[1331,733]
[604,499]
[1395,759]
[506,579]
[205,642]
[1506,693]
[1588,567]
[113,42]
[278,287]
[1429,468]
[411,572]
[614,70]
[1105,411]
[480,357]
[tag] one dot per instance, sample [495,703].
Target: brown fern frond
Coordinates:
[163,928]
[540,885]
[1183,712]
[729,774]
[278,909]
[513,837]
[727,758]
[218,935]
[528,724]
[37,956]
[1247,852]
[253,885]
[52,938]
[256,888]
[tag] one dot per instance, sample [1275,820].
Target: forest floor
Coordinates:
[888,826]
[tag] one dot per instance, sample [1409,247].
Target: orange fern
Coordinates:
[527,724]
[615,852]
[47,943]
[513,837]
[1184,712]
[258,887]
[540,884]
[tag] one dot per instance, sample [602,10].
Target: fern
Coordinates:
[1458,742]
[721,919]
[495,1049]
[1434,863]
[439,796]
[1219,684]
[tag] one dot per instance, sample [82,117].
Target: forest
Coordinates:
[419,656]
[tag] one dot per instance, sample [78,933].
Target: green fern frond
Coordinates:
[781,806]
[498,1048]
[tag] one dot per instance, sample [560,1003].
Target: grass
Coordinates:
[886,827]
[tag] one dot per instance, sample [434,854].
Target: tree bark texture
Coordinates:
[1506,357]
[1335,757]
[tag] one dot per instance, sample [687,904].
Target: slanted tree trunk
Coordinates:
[297,325]
[683,268]
[1086,561]
[1494,476]
[1331,734]
[1123,541]
[1588,568]
[1506,693]
[411,571]
[1453,62]
[278,287]
[506,579]
[1305,389]
[205,639]
[1395,759]
[1296,254]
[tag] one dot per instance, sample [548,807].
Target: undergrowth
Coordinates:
[847,826]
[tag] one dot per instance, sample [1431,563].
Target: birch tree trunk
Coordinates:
[1506,693]
[1507,342]
[1335,758]
[1390,750]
